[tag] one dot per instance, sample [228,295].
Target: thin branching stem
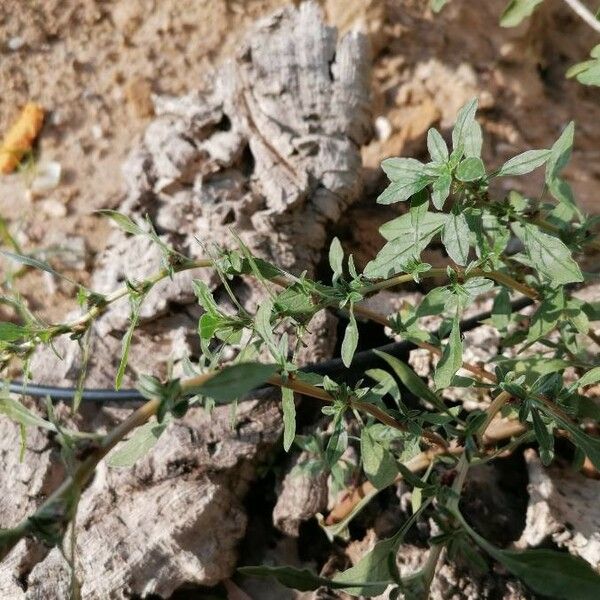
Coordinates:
[315,392]
[81,323]
[584,13]
[497,276]
[383,320]
[75,483]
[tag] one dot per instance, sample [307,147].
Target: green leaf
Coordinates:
[19,413]
[455,237]
[262,324]
[524,163]
[583,441]
[476,286]
[338,442]
[437,5]
[336,258]
[438,150]
[434,302]
[427,224]
[377,568]
[546,316]
[578,68]
[402,169]
[544,437]
[470,169]
[408,177]
[411,380]
[123,221]
[473,141]
[546,572]
[560,153]
[295,301]
[139,444]
[207,325]
[399,192]
[576,314]
[9,332]
[350,340]
[205,297]
[590,378]
[516,11]
[134,317]
[554,574]
[236,380]
[378,463]
[501,310]
[590,75]
[463,128]
[451,359]
[29,261]
[289,417]
[302,580]
[410,234]
[548,254]
[440,190]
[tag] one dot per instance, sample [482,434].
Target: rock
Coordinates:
[562,508]
[145,541]
[24,482]
[279,186]
[138,528]
[302,496]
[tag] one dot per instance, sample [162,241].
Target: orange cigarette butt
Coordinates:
[20,137]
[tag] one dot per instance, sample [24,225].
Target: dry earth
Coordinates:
[95,66]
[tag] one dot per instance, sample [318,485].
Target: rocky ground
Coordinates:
[152,105]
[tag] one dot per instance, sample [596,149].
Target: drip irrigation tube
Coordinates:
[334,368]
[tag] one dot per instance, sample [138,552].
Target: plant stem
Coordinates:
[493,409]
[497,276]
[81,323]
[421,461]
[315,392]
[583,12]
[74,484]
[380,318]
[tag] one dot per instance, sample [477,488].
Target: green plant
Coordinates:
[447,198]
[516,11]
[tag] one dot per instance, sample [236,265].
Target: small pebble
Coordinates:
[383,129]
[97,132]
[15,43]
[47,177]
[53,208]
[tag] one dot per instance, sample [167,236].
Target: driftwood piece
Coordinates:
[272,151]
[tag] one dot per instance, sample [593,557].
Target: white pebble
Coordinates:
[47,177]
[53,208]
[97,132]
[383,128]
[15,43]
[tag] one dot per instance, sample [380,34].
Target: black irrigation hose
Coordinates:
[334,368]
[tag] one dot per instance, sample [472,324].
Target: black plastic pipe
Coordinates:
[334,368]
